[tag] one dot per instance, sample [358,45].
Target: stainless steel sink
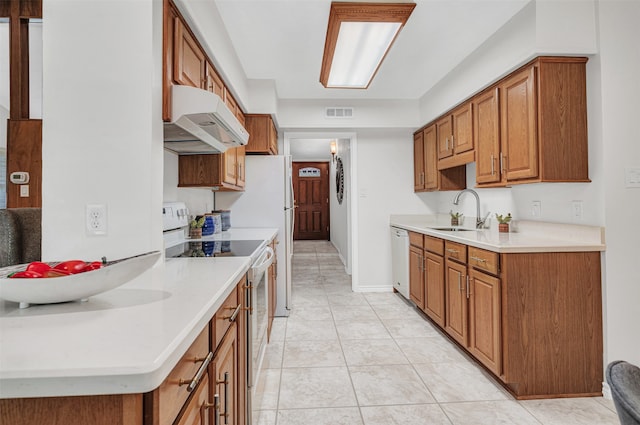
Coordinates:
[452,229]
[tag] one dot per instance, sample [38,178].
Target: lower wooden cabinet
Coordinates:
[434,305]
[416,276]
[485,314]
[221,389]
[534,320]
[456,301]
[225,387]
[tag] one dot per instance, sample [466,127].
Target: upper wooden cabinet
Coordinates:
[486,131]
[186,63]
[542,113]
[426,176]
[214,82]
[189,61]
[263,136]
[455,137]
[219,171]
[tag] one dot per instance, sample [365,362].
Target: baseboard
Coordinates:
[606,391]
[376,288]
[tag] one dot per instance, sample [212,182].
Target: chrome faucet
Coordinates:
[479,221]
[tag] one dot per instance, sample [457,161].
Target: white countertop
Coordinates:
[526,236]
[125,340]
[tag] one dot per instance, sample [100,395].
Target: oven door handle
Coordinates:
[265,260]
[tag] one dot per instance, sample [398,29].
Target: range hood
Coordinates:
[202,123]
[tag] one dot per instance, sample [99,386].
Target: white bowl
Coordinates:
[73,287]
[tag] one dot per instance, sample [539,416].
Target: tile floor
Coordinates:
[345,358]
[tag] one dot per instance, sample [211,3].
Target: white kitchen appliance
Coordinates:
[268,202]
[400,260]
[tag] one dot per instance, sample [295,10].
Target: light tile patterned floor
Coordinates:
[345,358]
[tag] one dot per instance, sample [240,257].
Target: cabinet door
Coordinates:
[189,60]
[431,158]
[214,82]
[230,102]
[485,341]
[434,288]
[197,410]
[486,129]
[445,131]
[273,139]
[226,367]
[518,116]
[418,162]
[416,276]
[240,166]
[456,301]
[462,138]
[229,166]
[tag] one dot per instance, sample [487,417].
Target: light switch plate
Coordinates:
[536,208]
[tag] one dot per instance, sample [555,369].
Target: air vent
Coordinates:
[338,112]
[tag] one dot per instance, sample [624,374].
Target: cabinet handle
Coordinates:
[467,286]
[493,171]
[226,396]
[452,142]
[233,316]
[446,140]
[453,251]
[193,383]
[216,412]
[502,158]
[478,259]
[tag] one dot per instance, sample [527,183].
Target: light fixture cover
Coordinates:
[359,36]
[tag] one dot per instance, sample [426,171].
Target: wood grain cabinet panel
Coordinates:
[486,130]
[189,60]
[485,319]
[434,305]
[427,176]
[263,136]
[543,125]
[223,172]
[196,412]
[416,276]
[225,386]
[456,323]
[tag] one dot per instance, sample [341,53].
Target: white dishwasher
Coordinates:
[400,260]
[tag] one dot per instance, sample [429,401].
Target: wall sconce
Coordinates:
[334,149]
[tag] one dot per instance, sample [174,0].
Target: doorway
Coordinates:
[311,192]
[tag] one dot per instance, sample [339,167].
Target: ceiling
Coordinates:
[283,41]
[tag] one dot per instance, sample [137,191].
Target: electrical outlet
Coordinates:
[96,219]
[536,208]
[576,210]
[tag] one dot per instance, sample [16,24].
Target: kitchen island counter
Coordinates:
[526,236]
[123,341]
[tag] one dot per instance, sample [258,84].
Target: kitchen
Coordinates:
[118,156]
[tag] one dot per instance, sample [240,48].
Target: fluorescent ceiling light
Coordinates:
[359,36]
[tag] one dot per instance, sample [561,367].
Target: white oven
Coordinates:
[258,296]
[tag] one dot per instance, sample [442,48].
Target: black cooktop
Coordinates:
[233,248]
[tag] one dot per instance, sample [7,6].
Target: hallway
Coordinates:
[345,358]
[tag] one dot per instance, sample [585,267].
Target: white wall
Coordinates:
[102,132]
[340,212]
[620,67]
[385,186]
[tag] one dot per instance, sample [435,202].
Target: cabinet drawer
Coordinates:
[434,245]
[224,315]
[482,259]
[415,239]
[173,392]
[455,251]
